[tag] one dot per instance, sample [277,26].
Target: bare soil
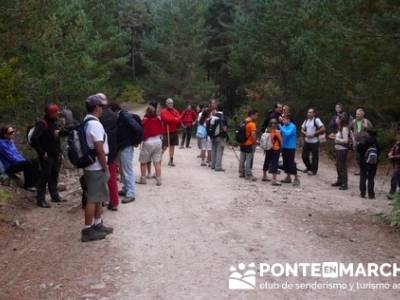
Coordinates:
[178,241]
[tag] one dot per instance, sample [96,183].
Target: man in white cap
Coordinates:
[171,120]
[97,174]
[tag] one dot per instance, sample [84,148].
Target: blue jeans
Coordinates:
[127,173]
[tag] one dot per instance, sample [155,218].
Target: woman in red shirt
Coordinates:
[151,149]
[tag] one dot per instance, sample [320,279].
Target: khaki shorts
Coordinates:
[151,150]
[97,188]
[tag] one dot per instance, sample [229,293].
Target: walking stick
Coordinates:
[169,141]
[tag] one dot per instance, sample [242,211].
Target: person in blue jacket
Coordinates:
[288,132]
[13,161]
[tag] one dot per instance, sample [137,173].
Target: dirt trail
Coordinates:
[178,241]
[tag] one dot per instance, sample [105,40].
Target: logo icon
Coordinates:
[330,270]
[243,277]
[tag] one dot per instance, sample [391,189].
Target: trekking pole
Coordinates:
[233,148]
[169,141]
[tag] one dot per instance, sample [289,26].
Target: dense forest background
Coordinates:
[245,53]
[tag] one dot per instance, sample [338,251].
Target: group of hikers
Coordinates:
[103,146]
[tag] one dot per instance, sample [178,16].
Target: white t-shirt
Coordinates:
[95,133]
[309,126]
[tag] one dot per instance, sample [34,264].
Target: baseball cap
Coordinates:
[96,100]
[52,108]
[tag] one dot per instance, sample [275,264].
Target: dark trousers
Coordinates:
[367,173]
[49,169]
[313,150]
[341,167]
[395,182]
[30,169]
[289,164]
[186,136]
[271,161]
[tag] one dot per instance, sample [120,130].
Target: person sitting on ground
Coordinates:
[109,120]
[217,127]
[360,125]
[368,166]
[151,149]
[312,128]
[394,156]
[204,140]
[276,114]
[288,132]
[247,149]
[13,161]
[271,162]
[171,119]
[188,120]
[97,174]
[342,142]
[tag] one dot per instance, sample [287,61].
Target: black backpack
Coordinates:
[240,133]
[136,127]
[79,153]
[214,126]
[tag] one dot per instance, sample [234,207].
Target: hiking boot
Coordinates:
[141,180]
[101,228]
[372,197]
[305,171]
[275,183]
[171,164]
[390,196]
[362,196]
[251,178]
[128,200]
[311,173]
[158,181]
[343,188]
[91,234]
[265,179]
[58,200]
[220,170]
[336,184]
[112,208]
[122,193]
[203,164]
[43,204]
[286,180]
[242,176]
[296,182]
[181,147]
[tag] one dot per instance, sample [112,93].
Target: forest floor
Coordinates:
[178,241]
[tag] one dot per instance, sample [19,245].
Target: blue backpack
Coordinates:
[201,132]
[79,153]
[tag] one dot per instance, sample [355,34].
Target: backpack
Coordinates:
[322,136]
[240,133]
[32,130]
[201,132]
[79,153]
[214,126]
[136,127]
[266,141]
[371,156]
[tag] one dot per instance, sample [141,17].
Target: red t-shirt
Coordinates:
[151,127]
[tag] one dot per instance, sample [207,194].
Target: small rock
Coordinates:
[98,286]
[43,286]
[310,214]
[58,286]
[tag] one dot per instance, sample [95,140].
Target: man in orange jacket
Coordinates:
[171,120]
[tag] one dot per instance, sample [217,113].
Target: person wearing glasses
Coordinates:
[13,161]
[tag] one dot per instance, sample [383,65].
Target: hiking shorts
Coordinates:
[173,140]
[96,184]
[151,150]
[205,144]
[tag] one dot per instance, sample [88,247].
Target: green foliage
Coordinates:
[4,196]
[131,94]
[395,215]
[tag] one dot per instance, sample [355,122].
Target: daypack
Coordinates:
[136,127]
[240,133]
[266,141]
[201,132]
[322,136]
[371,156]
[79,153]
[214,126]
[32,130]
